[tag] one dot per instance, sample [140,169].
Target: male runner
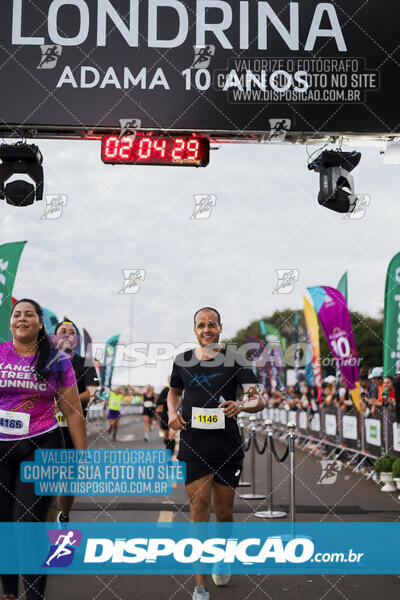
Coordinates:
[210,441]
[114,411]
[66,339]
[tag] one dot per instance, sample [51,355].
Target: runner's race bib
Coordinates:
[61,420]
[148,404]
[14,423]
[208,418]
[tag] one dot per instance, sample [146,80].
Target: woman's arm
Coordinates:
[70,406]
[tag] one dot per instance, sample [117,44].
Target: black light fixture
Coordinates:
[21,158]
[336,185]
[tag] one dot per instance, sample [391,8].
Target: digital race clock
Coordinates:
[155,149]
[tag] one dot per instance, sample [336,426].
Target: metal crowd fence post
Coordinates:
[270,513]
[362,432]
[253,495]
[292,434]
[242,481]
[386,428]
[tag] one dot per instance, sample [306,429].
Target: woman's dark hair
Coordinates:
[207,308]
[45,350]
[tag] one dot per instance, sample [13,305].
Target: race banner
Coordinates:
[226,66]
[309,372]
[276,347]
[391,319]
[50,320]
[259,358]
[335,320]
[274,351]
[312,328]
[342,286]
[109,360]
[10,255]
[296,346]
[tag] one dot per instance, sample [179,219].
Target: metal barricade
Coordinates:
[252,445]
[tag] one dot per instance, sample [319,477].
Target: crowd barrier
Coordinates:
[251,444]
[357,435]
[351,432]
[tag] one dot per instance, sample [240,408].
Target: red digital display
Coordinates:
[150,149]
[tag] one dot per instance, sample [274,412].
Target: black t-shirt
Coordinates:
[86,375]
[204,382]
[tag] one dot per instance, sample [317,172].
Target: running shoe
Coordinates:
[62,519]
[221,574]
[200,593]
[146,437]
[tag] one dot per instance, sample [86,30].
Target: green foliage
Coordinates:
[368,335]
[384,464]
[396,469]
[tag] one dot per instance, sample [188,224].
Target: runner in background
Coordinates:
[114,412]
[65,338]
[149,409]
[210,442]
[162,411]
[28,422]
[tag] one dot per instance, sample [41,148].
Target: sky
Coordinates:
[266,217]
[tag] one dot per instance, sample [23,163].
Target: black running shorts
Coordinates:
[227,473]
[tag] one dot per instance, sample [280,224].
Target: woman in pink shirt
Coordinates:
[32,374]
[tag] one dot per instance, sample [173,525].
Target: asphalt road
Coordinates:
[350,498]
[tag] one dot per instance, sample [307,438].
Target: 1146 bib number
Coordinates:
[208,418]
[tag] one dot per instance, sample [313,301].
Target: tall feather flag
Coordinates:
[335,320]
[10,255]
[312,328]
[109,361]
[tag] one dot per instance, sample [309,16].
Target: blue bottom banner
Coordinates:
[186,548]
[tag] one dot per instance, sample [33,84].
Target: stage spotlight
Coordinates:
[21,158]
[336,185]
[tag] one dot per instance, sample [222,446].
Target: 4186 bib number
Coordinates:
[11,423]
[14,423]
